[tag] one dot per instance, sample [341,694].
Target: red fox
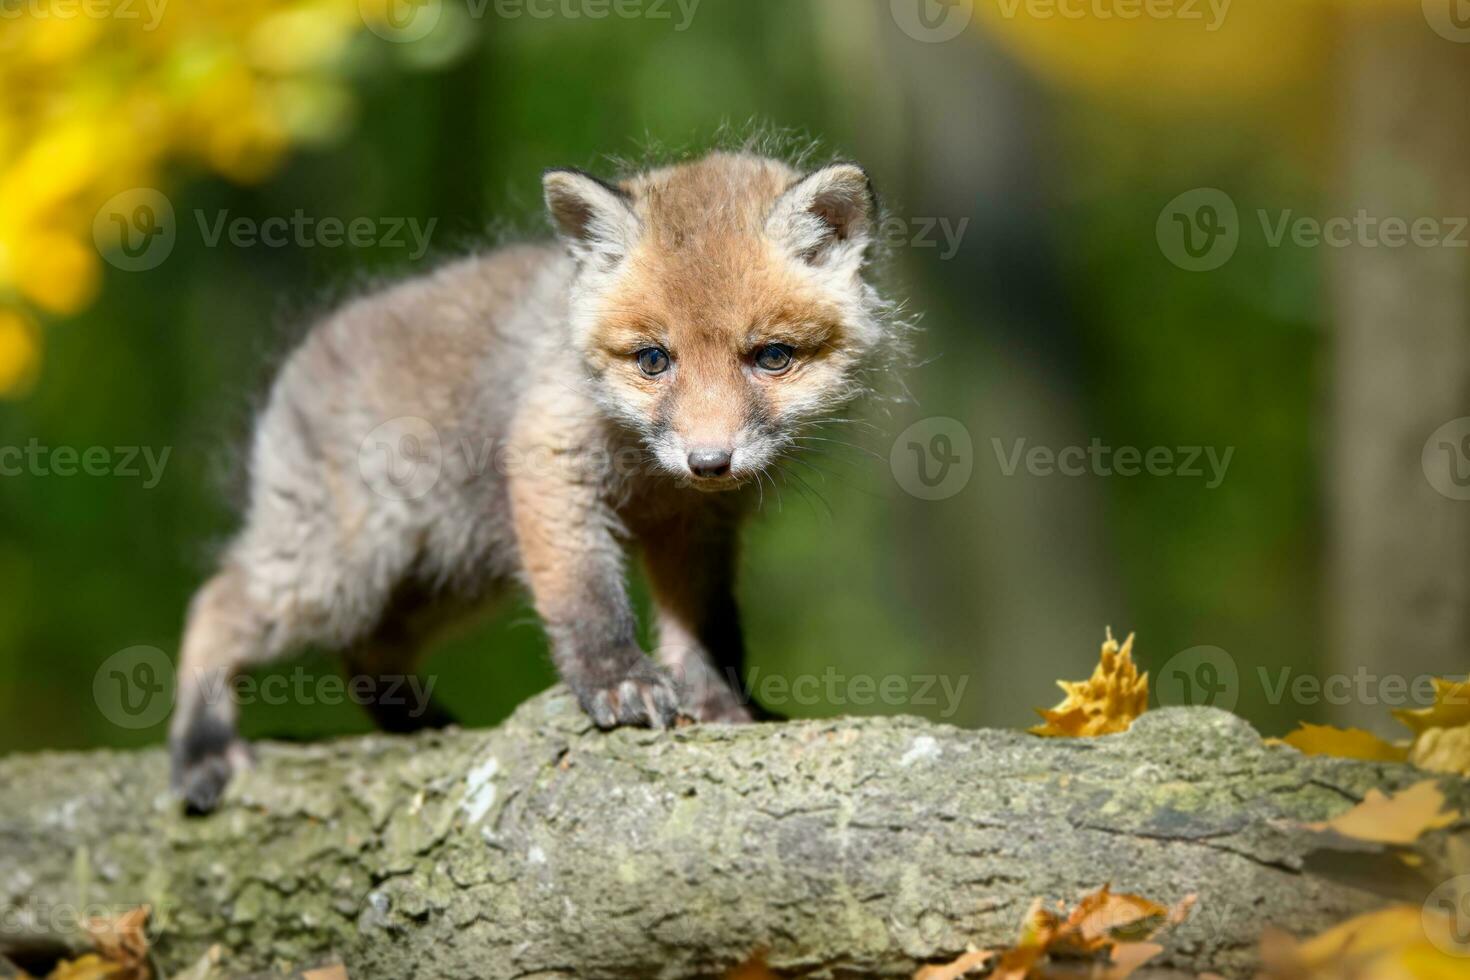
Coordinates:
[521,416]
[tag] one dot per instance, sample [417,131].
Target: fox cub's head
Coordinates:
[721,305]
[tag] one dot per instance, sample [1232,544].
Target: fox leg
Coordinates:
[224,634]
[691,570]
[573,564]
[382,676]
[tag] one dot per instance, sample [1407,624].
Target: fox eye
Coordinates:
[653,361]
[773,358]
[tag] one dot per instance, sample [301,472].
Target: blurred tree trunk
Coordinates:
[1401,549]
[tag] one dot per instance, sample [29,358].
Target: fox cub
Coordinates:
[520,416]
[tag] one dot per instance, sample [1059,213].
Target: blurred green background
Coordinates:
[1058,319]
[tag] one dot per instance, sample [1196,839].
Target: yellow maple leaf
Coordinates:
[1105,704]
[1451,708]
[1402,942]
[1441,741]
[1344,743]
[1399,819]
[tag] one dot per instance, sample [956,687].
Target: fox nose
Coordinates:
[709,463]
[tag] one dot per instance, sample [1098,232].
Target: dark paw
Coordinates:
[203,759]
[644,696]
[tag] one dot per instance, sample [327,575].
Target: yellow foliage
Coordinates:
[99,99]
[1399,819]
[1402,942]
[1173,53]
[1441,735]
[20,351]
[1451,708]
[1104,704]
[1344,743]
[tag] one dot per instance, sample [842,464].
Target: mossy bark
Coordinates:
[543,848]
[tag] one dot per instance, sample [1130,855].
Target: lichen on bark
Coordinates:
[848,847]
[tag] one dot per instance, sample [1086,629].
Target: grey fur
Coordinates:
[432,444]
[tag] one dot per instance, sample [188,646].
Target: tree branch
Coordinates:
[545,848]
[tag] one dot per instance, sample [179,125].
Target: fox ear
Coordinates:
[594,219]
[827,217]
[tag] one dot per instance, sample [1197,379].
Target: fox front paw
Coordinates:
[643,696]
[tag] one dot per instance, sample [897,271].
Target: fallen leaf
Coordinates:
[334,971]
[1402,942]
[1126,959]
[89,967]
[1106,703]
[1104,915]
[123,940]
[1399,819]
[1451,708]
[972,960]
[1106,928]
[752,969]
[1344,743]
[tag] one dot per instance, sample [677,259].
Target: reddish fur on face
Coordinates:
[707,285]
